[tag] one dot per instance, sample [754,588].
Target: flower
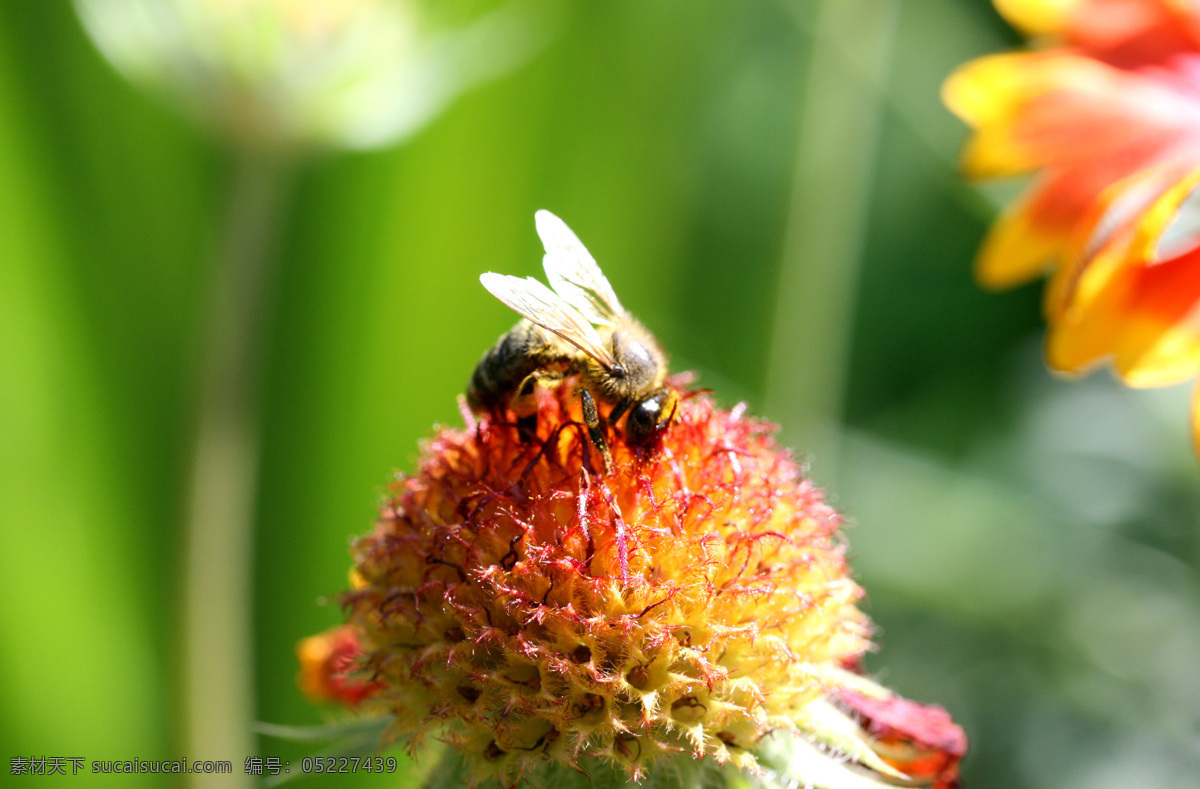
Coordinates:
[493,610]
[1108,116]
[920,741]
[326,661]
[344,73]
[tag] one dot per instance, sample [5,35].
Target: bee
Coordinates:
[577,328]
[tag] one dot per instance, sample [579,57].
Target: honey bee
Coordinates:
[577,328]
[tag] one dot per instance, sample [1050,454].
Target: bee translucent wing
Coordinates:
[536,302]
[573,272]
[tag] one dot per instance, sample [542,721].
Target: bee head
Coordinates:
[637,363]
[650,417]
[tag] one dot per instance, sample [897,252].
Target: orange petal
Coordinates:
[1087,300]
[1059,110]
[1133,33]
[1160,341]
[1121,302]
[1102,239]
[1078,113]
[1067,220]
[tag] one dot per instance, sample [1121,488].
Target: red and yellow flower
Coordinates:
[327,666]
[1106,112]
[672,611]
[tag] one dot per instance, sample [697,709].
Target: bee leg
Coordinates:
[619,409]
[524,403]
[527,428]
[591,417]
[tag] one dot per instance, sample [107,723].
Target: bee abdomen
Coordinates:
[525,349]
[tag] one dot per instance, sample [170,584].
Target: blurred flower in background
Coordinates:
[274,79]
[1108,116]
[343,73]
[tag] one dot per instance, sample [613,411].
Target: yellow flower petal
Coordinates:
[1037,17]
[1152,354]
[1086,301]
[1077,343]
[1015,250]
[1196,422]
[994,152]
[1159,216]
[983,91]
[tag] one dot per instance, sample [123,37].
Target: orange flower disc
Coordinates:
[494,612]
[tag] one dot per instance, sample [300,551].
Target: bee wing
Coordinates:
[573,272]
[536,302]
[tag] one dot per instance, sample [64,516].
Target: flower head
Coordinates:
[492,610]
[1108,116]
[347,73]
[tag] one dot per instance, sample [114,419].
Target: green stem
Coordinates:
[217,605]
[837,147]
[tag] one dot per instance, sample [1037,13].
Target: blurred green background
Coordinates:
[771,188]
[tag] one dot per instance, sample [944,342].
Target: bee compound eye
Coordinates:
[650,417]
